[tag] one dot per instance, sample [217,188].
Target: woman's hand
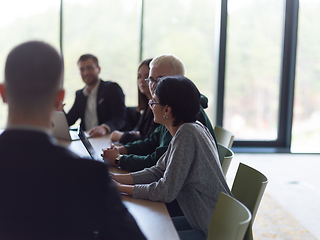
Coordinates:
[116,135]
[110,154]
[135,133]
[124,182]
[122,178]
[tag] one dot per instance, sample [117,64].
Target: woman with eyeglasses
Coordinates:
[189,170]
[145,125]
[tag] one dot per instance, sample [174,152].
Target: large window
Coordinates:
[185,29]
[108,30]
[257,64]
[26,20]
[253,64]
[306,118]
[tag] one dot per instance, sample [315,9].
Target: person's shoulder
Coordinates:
[110,87]
[186,129]
[193,128]
[79,92]
[191,125]
[108,83]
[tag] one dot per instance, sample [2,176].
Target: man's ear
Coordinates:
[59,98]
[3,92]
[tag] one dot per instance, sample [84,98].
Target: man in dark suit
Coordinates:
[100,105]
[47,192]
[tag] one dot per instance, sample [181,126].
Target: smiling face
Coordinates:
[143,73]
[159,71]
[89,71]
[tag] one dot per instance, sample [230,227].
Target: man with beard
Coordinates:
[100,104]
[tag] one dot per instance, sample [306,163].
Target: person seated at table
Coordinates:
[48,192]
[145,153]
[190,170]
[100,104]
[145,125]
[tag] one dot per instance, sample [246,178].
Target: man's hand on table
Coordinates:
[98,131]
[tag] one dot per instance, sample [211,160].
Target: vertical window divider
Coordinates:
[141,30]
[288,68]
[61,35]
[220,55]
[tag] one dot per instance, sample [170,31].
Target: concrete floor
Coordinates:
[293,185]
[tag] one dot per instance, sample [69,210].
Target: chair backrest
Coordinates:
[225,157]
[223,136]
[248,187]
[230,219]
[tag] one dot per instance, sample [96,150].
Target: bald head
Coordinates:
[33,74]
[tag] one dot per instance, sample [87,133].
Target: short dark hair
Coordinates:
[181,95]
[87,56]
[33,74]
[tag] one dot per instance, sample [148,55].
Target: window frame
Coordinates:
[288,65]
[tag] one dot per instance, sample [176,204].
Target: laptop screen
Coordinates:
[60,127]
[93,154]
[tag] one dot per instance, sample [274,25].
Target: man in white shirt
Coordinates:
[100,104]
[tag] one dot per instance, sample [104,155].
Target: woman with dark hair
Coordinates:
[145,124]
[189,171]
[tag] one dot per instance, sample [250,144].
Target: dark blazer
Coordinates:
[47,192]
[111,109]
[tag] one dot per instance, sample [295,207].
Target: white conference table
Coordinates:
[152,217]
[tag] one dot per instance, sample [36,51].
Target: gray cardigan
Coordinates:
[188,171]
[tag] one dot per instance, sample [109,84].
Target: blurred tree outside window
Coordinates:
[306,111]
[253,62]
[23,21]
[110,31]
[186,30]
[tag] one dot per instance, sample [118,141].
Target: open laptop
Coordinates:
[60,127]
[93,154]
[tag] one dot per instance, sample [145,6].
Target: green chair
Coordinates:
[248,187]
[225,157]
[230,219]
[223,136]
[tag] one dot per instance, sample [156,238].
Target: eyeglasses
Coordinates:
[151,80]
[152,103]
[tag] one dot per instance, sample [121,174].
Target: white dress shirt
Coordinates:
[90,113]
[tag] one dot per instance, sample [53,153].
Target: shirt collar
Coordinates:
[93,91]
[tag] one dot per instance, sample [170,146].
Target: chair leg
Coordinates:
[249,234]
